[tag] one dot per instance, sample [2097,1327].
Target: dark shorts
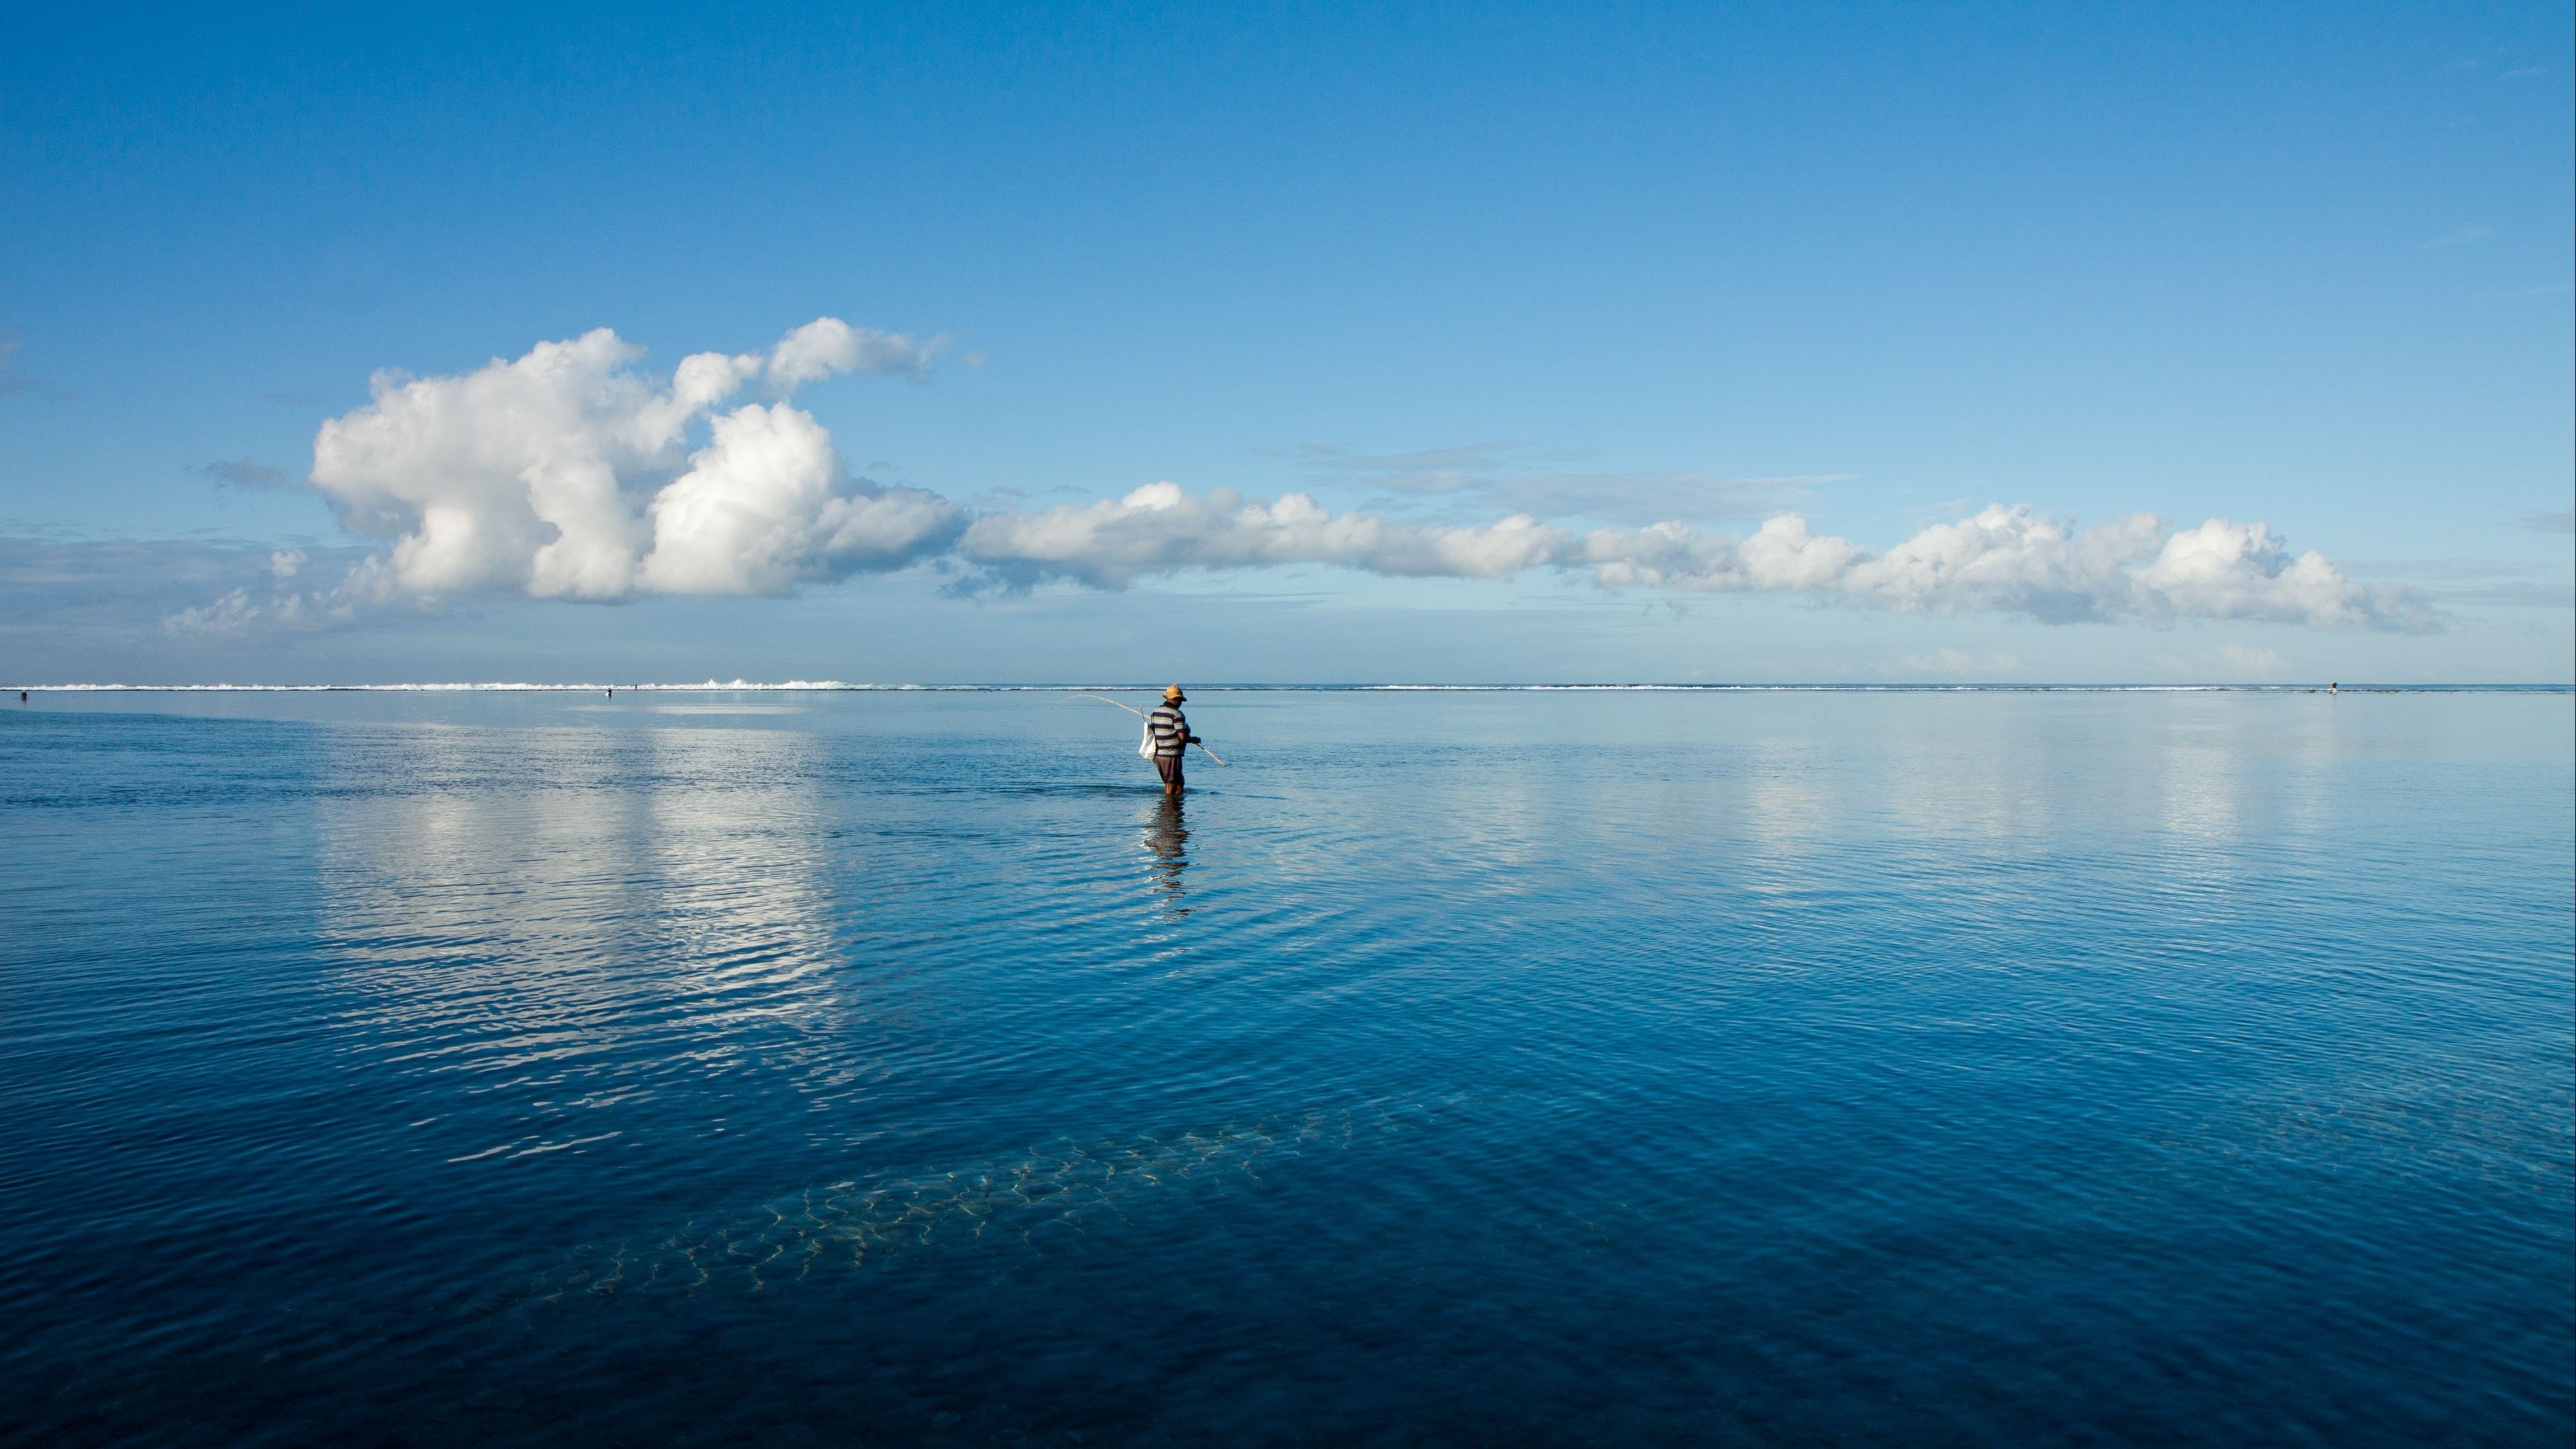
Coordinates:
[1169,767]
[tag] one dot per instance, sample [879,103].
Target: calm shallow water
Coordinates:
[1462,1068]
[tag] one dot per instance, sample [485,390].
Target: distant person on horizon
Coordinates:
[1172,738]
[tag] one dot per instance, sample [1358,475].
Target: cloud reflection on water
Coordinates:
[536,909]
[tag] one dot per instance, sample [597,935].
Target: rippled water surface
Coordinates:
[1465,1068]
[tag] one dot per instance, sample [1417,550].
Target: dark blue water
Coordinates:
[1453,1069]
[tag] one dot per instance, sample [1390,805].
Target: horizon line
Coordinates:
[834,686]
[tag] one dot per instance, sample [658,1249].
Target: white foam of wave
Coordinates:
[835,686]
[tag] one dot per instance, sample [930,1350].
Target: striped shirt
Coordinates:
[1171,730]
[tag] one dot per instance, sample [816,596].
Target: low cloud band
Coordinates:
[568,474]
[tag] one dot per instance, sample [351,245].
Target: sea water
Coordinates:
[1449,1068]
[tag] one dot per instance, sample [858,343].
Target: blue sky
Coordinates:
[1880,267]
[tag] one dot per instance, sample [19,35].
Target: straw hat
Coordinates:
[1172,694]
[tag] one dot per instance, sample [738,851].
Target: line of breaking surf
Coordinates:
[835,686]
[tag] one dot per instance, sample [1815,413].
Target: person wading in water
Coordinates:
[1172,738]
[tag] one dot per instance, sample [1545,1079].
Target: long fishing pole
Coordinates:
[1140,714]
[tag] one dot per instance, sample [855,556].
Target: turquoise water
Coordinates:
[1463,1068]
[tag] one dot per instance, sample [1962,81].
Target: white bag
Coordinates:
[1145,746]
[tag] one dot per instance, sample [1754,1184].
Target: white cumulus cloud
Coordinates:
[2224,570]
[567,474]
[763,508]
[2003,560]
[828,345]
[570,473]
[2019,561]
[1160,529]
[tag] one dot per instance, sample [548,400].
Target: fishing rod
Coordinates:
[1140,714]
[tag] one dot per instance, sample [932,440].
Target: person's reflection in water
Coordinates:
[1166,835]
